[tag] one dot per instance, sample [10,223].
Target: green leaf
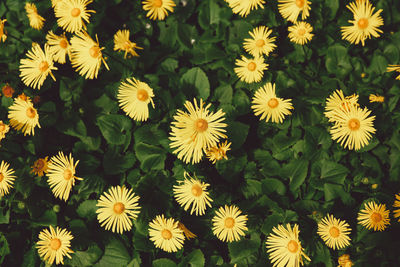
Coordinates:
[270,222]
[243,249]
[196,78]
[164,262]
[4,248]
[170,64]
[151,157]
[114,163]
[87,257]
[224,94]
[337,60]
[195,259]
[296,170]
[48,218]
[115,254]
[333,172]
[115,128]
[333,6]
[237,133]
[87,209]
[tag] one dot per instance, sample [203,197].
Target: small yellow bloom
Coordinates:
[7,90]
[218,152]
[344,261]
[40,166]
[395,68]
[3,33]
[166,234]
[6,178]
[260,43]
[59,46]
[374,216]
[243,7]
[228,223]
[396,204]
[290,9]
[334,232]
[250,70]
[23,116]
[71,14]
[300,32]
[189,235]
[35,20]
[4,128]
[122,43]
[158,9]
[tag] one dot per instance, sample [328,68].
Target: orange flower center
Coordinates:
[7,90]
[75,12]
[293,246]
[64,43]
[273,103]
[334,232]
[127,45]
[251,66]
[31,113]
[362,23]
[229,222]
[55,244]
[39,163]
[43,66]
[197,190]
[67,174]
[201,125]
[260,43]
[1,177]
[119,208]
[94,51]
[301,32]
[376,217]
[157,3]
[166,234]
[299,3]
[2,127]
[354,124]
[142,95]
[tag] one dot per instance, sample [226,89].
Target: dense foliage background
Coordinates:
[276,173]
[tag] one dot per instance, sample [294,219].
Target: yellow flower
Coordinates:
[53,245]
[3,35]
[40,166]
[122,43]
[6,178]
[4,128]
[7,90]
[374,216]
[117,208]
[35,20]
[284,247]
[158,9]
[166,234]
[365,23]
[344,261]
[394,68]
[54,3]
[228,223]
[334,232]
[396,204]
[134,97]
[218,152]
[250,70]
[243,7]
[86,55]
[300,32]
[71,14]
[37,66]
[290,9]
[59,46]
[338,101]
[269,106]
[195,132]
[260,43]
[23,116]
[189,235]
[376,98]
[353,127]
[192,192]
[61,175]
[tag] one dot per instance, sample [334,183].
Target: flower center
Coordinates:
[354,124]
[251,66]
[293,246]
[197,190]
[334,232]
[43,66]
[67,174]
[94,51]
[40,164]
[2,127]
[301,32]
[229,222]
[376,217]
[201,125]
[119,208]
[166,234]
[64,43]
[127,45]
[55,244]
[1,177]
[75,12]
[31,113]
[260,43]
[362,23]
[142,95]
[157,3]
[299,3]
[273,103]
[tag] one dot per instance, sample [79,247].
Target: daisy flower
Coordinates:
[353,127]
[194,132]
[3,35]
[243,7]
[35,20]
[192,192]
[395,68]
[122,43]
[376,98]
[59,46]
[6,178]
[290,9]
[344,261]
[7,90]
[166,234]
[86,55]
[396,204]
[61,175]
[218,152]
[260,43]
[334,232]
[4,128]
[336,101]
[300,32]
[250,70]
[117,208]
[374,216]
[365,23]
[40,166]
[228,223]
[284,247]
[71,14]
[134,97]
[53,245]
[158,9]
[23,116]
[269,106]
[37,66]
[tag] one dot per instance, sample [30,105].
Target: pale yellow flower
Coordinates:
[250,70]
[122,43]
[218,152]
[72,14]
[300,32]
[334,232]
[35,20]
[3,33]
[59,46]
[4,128]
[23,116]
[158,9]
[243,7]
[166,234]
[260,42]
[229,224]
[374,216]
[6,178]
[290,9]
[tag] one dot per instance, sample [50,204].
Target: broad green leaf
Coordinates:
[164,262]
[242,249]
[115,254]
[296,170]
[87,257]
[197,78]
[114,128]
[333,172]
[87,209]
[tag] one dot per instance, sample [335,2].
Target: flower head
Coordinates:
[189,235]
[134,97]
[365,23]
[6,178]
[61,175]
[54,3]
[158,9]
[117,208]
[37,66]
[344,261]
[250,70]
[40,166]
[53,245]
[284,247]
[374,216]
[7,90]
[4,128]
[23,116]
[376,98]
[3,33]
[166,234]
[395,68]
[243,7]
[59,46]
[290,9]
[196,131]
[396,204]
[300,32]
[337,101]
[228,223]
[122,43]
[35,20]
[218,152]
[260,43]
[71,14]
[334,232]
